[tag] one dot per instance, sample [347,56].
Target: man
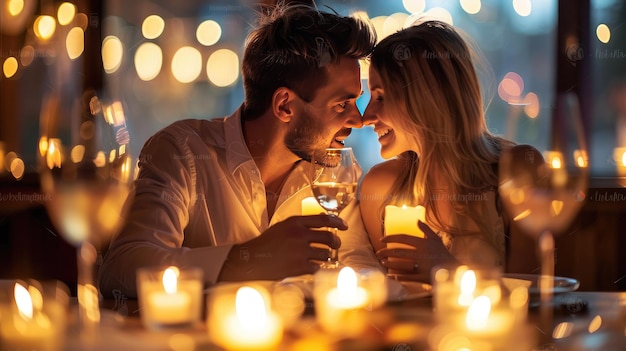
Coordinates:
[225,194]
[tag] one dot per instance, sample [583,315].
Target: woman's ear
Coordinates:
[282,103]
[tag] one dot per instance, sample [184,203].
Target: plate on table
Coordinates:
[407,290]
[561,285]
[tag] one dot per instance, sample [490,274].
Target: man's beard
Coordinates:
[306,137]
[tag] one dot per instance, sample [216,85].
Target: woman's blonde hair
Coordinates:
[433,94]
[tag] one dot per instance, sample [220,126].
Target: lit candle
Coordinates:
[340,302]
[482,320]
[170,306]
[468,285]
[171,302]
[251,326]
[28,326]
[403,220]
[310,206]
[347,294]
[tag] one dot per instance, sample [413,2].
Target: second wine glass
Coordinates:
[543,186]
[334,182]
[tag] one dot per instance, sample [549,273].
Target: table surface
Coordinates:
[580,321]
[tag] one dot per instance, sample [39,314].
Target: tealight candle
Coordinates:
[403,220]
[36,319]
[243,321]
[340,302]
[471,304]
[169,298]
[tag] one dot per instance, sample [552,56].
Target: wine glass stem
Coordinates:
[546,283]
[88,297]
[333,258]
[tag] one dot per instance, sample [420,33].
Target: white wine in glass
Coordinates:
[334,182]
[86,170]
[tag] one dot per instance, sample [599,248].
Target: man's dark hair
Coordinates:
[292,46]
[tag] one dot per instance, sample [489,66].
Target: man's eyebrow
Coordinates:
[348,96]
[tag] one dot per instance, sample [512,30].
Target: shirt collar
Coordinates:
[237,152]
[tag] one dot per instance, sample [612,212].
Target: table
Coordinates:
[581,321]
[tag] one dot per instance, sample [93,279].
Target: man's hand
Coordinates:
[283,250]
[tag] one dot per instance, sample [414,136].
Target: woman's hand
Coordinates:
[417,260]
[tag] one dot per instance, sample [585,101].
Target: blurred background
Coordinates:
[160,61]
[166,60]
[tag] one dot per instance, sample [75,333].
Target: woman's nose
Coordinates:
[369,117]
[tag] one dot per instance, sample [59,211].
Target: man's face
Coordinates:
[327,120]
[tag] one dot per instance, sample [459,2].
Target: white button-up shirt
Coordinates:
[198,193]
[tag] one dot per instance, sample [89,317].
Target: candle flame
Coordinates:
[250,308]
[53,155]
[478,313]
[624,159]
[554,159]
[170,283]
[581,158]
[556,162]
[347,281]
[468,285]
[23,301]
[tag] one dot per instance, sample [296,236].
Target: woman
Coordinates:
[426,107]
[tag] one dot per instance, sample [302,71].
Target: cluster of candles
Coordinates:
[472,307]
[32,315]
[477,309]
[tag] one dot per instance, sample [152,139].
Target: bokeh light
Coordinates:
[75,43]
[27,55]
[208,33]
[148,61]
[511,87]
[531,105]
[414,6]
[17,168]
[44,27]
[394,23]
[152,27]
[112,53]
[223,67]
[9,67]
[66,13]
[522,7]
[15,7]
[441,14]
[379,24]
[603,32]
[471,6]
[186,64]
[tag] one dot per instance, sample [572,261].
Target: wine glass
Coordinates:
[334,182]
[86,171]
[543,186]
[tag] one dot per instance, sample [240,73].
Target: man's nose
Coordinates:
[354,120]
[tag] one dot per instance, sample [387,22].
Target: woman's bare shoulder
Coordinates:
[386,171]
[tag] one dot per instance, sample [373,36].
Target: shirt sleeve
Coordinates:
[158,214]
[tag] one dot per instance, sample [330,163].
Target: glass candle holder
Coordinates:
[170,297]
[241,317]
[343,298]
[33,315]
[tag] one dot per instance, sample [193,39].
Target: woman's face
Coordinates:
[393,141]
